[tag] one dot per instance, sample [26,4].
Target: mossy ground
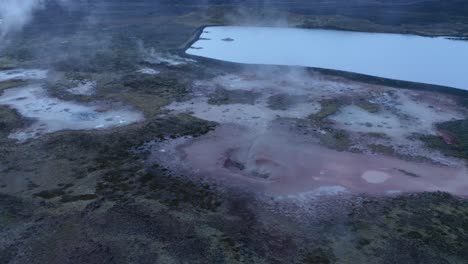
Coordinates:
[382,149]
[10,84]
[328,108]
[223,96]
[457,130]
[283,101]
[9,121]
[336,139]
[379,135]
[429,228]
[369,107]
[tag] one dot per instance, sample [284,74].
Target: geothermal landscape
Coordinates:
[268,133]
[233,131]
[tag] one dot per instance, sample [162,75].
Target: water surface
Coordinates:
[438,61]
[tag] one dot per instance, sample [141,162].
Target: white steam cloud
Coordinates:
[15,14]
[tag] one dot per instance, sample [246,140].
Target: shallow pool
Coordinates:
[438,61]
[49,114]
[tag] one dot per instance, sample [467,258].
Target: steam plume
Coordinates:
[15,14]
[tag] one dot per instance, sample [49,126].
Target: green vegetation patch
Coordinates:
[382,149]
[9,121]
[120,53]
[328,107]
[457,132]
[336,139]
[163,86]
[415,228]
[368,106]
[320,256]
[75,198]
[11,84]
[175,191]
[391,151]
[283,101]
[463,101]
[53,193]
[121,174]
[7,63]
[12,211]
[50,194]
[158,184]
[378,135]
[222,96]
